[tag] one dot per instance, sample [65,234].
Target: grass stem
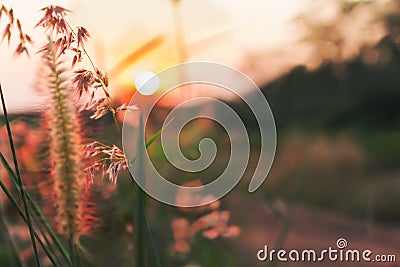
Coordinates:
[38,212]
[20,182]
[9,239]
[139,219]
[22,215]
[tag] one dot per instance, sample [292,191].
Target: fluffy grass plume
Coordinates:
[72,215]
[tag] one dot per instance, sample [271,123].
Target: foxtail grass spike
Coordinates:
[65,153]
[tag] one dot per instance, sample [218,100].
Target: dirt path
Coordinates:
[310,229]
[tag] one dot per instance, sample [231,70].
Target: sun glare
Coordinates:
[147,82]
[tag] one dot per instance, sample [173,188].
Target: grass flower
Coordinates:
[86,82]
[13,26]
[66,162]
[113,157]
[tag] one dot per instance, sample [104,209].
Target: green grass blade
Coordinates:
[151,140]
[3,224]
[12,147]
[46,240]
[22,215]
[38,211]
[140,199]
[153,244]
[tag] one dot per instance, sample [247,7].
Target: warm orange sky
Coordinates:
[224,31]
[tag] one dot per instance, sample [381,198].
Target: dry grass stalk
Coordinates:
[13,26]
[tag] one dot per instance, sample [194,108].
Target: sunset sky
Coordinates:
[257,37]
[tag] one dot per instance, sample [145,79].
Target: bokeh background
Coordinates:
[330,71]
